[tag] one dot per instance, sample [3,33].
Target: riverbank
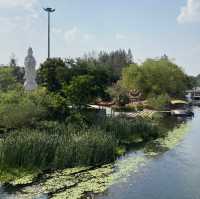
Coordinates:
[87,181]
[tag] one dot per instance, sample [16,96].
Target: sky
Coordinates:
[150,28]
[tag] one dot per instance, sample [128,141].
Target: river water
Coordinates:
[174,174]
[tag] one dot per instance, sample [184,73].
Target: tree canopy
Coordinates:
[7,80]
[81,90]
[155,77]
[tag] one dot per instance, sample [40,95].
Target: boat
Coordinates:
[180,108]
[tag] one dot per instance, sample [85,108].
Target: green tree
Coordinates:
[156,77]
[117,60]
[119,94]
[131,76]
[53,73]
[193,82]
[81,91]
[7,80]
[13,61]
[197,80]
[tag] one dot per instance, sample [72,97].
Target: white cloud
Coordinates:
[72,34]
[88,36]
[29,14]
[57,30]
[119,36]
[25,4]
[18,23]
[75,34]
[190,12]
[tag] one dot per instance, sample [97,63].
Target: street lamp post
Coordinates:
[49,11]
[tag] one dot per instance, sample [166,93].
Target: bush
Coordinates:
[19,109]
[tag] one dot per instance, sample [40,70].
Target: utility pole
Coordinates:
[49,11]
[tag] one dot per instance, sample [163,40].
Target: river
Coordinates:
[174,174]
[170,174]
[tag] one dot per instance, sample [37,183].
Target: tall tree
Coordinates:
[81,91]
[117,60]
[156,77]
[7,79]
[13,61]
[53,73]
[129,57]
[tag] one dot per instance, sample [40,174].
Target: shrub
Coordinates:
[19,109]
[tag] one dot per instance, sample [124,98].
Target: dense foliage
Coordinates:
[19,109]
[7,79]
[156,77]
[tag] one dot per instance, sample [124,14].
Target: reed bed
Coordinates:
[70,146]
[39,149]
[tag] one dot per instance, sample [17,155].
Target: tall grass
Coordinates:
[70,146]
[44,150]
[129,130]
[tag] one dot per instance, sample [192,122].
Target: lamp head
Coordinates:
[49,9]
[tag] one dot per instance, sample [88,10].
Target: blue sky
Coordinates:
[150,28]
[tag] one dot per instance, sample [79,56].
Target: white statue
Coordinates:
[30,72]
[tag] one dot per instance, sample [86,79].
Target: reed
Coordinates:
[46,150]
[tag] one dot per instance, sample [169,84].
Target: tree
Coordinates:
[156,77]
[13,60]
[117,60]
[19,73]
[192,82]
[53,74]
[129,57]
[7,80]
[165,57]
[81,91]
[197,80]
[131,76]
[119,94]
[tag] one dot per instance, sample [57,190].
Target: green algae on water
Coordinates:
[76,182]
[172,139]
[17,176]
